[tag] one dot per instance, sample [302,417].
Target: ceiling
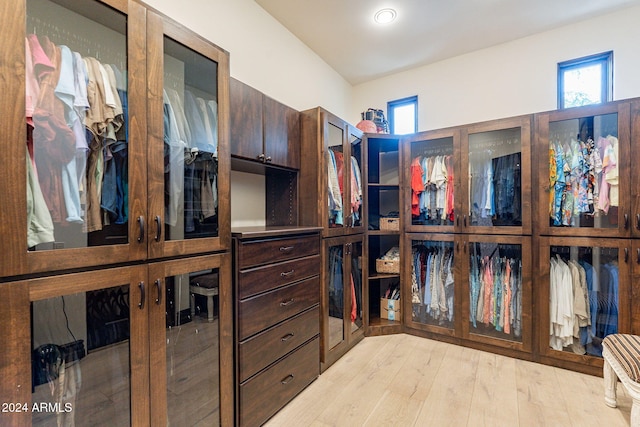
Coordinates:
[343,33]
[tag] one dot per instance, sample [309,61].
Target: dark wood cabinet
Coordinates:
[263,129]
[277,295]
[333,148]
[343,297]
[100,273]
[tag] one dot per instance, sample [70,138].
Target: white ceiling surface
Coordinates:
[343,33]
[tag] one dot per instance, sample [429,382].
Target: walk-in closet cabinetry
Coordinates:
[263,129]
[382,209]
[586,187]
[332,165]
[467,269]
[277,294]
[332,179]
[342,297]
[124,115]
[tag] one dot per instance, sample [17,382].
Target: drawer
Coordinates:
[265,348]
[266,393]
[257,252]
[265,310]
[261,279]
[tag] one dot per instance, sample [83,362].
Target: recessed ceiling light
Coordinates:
[384,16]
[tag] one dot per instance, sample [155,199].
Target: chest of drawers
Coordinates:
[277,293]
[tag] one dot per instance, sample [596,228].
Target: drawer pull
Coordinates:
[287,337]
[286,303]
[287,273]
[287,379]
[286,248]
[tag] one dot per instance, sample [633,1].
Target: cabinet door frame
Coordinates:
[158,336]
[526,293]
[330,355]
[14,227]
[54,286]
[525,124]
[159,27]
[246,106]
[407,157]
[541,144]
[407,305]
[548,355]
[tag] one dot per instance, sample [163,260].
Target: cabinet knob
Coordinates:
[262,157]
[268,159]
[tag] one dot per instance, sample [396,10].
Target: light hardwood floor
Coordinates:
[402,380]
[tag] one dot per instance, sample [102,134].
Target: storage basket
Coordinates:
[387,266]
[390,224]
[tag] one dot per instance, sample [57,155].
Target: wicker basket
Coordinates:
[387,266]
[390,224]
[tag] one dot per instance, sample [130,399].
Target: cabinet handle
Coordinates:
[141,225]
[158,228]
[268,159]
[626,255]
[458,221]
[464,247]
[261,157]
[142,296]
[457,246]
[626,221]
[158,283]
[638,256]
[286,248]
[286,303]
[638,221]
[464,220]
[287,273]
[286,380]
[287,337]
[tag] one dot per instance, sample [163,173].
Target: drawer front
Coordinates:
[266,393]
[265,310]
[259,252]
[265,348]
[261,279]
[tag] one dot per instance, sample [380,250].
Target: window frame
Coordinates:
[605,59]
[391,105]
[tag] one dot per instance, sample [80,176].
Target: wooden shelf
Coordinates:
[378,276]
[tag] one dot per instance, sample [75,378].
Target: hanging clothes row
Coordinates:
[583,178]
[335,170]
[495,292]
[76,114]
[432,282]
[432,188]
[190,157]
[336,286]
[495,189]
[583,304]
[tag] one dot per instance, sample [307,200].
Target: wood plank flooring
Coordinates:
[402,380]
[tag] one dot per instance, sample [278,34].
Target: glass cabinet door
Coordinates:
[336,178]
[188,153]
[335,297]
[432,273]
[356,278]
[186,343]
[496,160]
[588,294]
[499,296]
[80,142]
[432,180]
[89,360]
[585,172]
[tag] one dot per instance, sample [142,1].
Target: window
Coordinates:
[585,81]
[403,115]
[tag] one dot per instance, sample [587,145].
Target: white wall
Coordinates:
[264,54]
[514,78]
